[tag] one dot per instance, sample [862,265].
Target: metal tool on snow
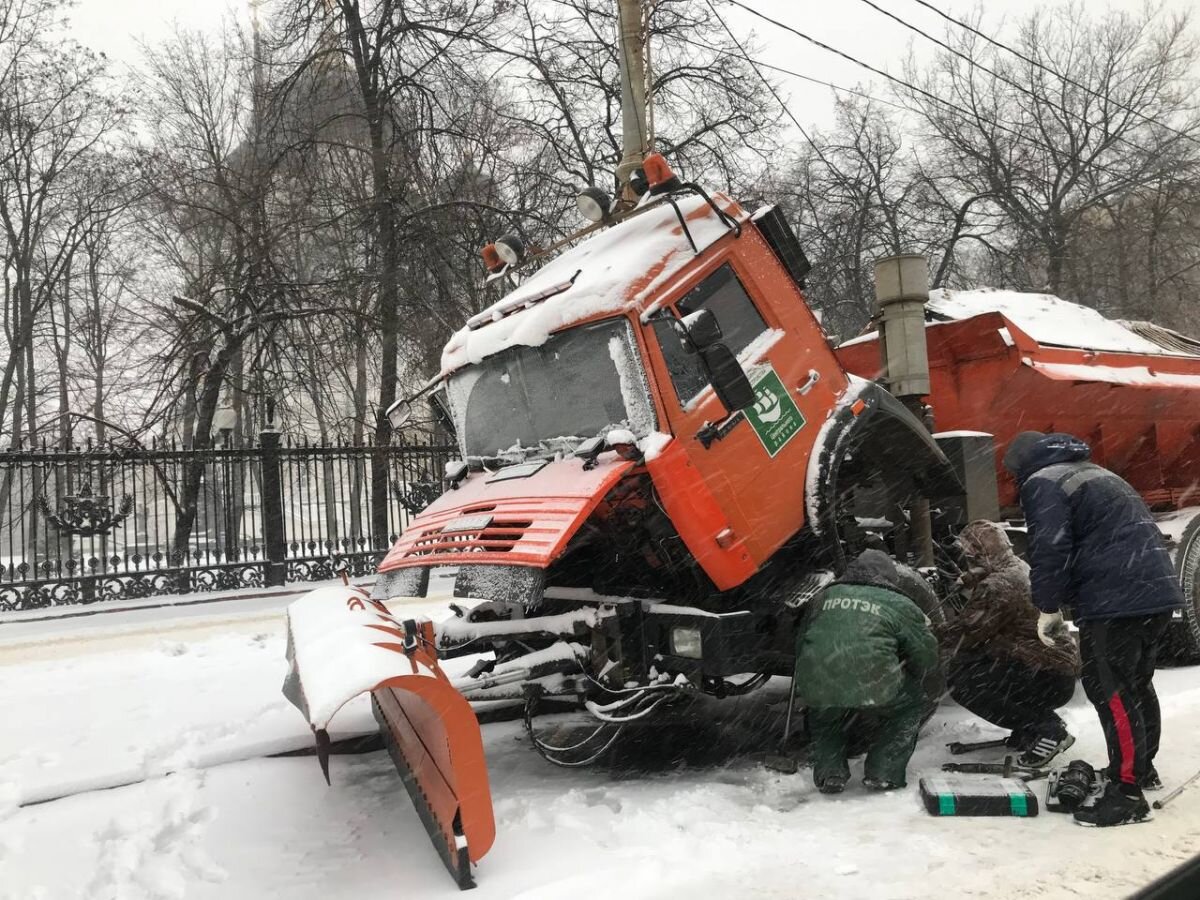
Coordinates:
[1159,804]
[957,748]
[1010,768]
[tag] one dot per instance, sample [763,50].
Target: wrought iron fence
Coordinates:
[82,525]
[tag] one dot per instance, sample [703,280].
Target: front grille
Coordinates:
[498,536]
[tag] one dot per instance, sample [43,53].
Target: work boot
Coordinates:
[872,783]
[832,784]
[1120,804]
[1043,750]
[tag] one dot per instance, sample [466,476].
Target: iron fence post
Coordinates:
[274,533]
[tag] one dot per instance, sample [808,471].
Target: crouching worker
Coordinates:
[1000,669]
[862,652]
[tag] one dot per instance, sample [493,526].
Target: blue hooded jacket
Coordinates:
[1093,544]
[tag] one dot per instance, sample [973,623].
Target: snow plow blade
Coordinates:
[342,644]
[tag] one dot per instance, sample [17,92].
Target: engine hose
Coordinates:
[587,740]
[616,705]
[604,717]
[548,753]
[581,763]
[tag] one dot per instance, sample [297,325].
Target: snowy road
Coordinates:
[201,692]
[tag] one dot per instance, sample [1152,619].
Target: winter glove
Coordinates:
[1051,626]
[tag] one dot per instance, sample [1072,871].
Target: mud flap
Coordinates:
[342,644]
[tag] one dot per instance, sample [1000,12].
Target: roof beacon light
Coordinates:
[659,174]
[491,258]
[594,204]
[511,249]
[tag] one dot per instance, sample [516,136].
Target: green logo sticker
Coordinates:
[774,416]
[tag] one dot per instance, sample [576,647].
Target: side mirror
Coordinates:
[702,327]
[727,377]
[399,413]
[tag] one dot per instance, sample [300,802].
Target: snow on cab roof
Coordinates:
[612,270]
[1045,318]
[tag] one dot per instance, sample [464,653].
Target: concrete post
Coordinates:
[631,52]
[901,292]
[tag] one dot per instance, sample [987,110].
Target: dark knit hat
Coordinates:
[1019,448]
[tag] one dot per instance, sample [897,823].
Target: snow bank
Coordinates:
[270,828]
[604,273]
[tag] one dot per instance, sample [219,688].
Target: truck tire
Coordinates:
[1181,646]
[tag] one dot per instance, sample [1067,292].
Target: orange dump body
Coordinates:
[1139,412]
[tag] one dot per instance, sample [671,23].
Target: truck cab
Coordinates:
[646,424]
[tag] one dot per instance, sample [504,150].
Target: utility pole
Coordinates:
[631,47]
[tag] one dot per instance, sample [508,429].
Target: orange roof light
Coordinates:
[659,174]
[491,258]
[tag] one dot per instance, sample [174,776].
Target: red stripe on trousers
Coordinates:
[1124,736]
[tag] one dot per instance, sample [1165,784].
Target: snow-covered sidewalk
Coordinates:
[191,702]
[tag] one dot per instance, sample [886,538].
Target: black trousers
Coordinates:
[1011,694]
[1118,676]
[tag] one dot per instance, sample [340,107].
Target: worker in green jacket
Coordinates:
[862,651]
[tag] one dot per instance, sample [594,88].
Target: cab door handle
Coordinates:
[813,377]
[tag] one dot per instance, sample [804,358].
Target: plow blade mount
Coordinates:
[342,644]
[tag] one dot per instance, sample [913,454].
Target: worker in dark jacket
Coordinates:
[1094,546]
[861,655]
[999,668]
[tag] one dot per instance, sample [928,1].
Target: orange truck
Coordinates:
[663,458]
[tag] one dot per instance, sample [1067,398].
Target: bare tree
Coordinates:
[1090,110]
[56,114]
[858,193]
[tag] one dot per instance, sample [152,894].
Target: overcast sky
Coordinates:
[115,26]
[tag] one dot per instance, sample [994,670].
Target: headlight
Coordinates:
[685,642]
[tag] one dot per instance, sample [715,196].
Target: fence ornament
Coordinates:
[84,514]
[419,494]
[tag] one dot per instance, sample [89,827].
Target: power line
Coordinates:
[978,65]
[1066,78]
[903,83]
[794,74]
[770,87]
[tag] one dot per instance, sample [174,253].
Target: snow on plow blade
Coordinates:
[342,644]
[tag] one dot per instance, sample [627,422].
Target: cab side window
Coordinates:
[686,373]
[740,322]
[722,293]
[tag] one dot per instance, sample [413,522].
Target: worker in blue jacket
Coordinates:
[1095,547]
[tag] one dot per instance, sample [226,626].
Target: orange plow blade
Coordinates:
[341,645]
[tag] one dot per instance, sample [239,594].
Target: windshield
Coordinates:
[580,383]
